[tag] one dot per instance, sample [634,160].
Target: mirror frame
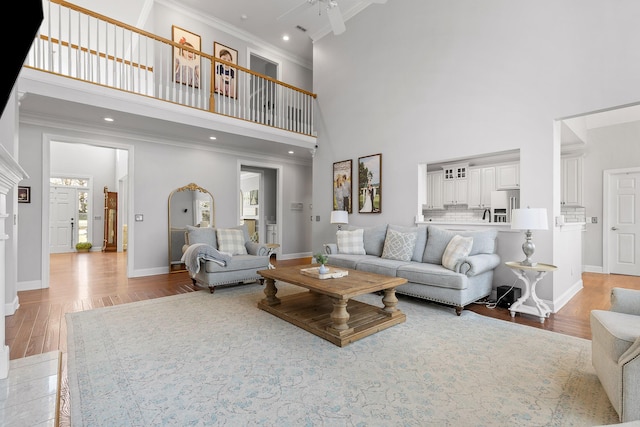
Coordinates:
[189,187]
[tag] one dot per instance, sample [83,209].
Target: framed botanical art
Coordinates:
[342,186]
[370,183]
[226,79]
[186,64]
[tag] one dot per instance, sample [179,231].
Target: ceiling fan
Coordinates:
[333,12]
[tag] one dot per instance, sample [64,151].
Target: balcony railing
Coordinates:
[78,43]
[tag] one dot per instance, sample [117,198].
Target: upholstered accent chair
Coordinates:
[216,257]
[615,342]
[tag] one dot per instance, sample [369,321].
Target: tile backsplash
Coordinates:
[577,214]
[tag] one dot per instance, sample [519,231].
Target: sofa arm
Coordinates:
[330,248]
[477,264]
[258,249]
[625,301]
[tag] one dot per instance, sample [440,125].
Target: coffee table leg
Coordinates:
[390,300]
[339,317]
[270,291]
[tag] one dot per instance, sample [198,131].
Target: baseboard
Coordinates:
[566,296]
[30,285]
[592,269]
[150,271]
[11,307]
[294,256]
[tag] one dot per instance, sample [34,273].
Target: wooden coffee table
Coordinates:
[327,309]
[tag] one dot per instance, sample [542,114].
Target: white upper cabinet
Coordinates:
[571,181]
[508,176]
[455,184]
[434,190]
[482,181]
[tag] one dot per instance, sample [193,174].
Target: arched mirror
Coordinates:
[188,205]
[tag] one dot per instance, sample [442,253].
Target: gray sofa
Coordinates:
[469,278]
[210,266]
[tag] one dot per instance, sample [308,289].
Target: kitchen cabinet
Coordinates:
[455,185]
[508,176]
[434,190]
[571,194]
[482,181]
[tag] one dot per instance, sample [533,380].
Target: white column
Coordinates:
[10,174]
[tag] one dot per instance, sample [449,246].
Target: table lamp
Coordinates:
[529,219]
[340,218]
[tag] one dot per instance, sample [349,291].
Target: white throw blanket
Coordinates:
[202,251]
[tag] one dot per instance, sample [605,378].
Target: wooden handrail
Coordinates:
[211,58]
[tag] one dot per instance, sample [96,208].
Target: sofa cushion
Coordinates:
[458,248]
[484,242]
[206,235]
[346,261]
[373,238]
[421,238]
[350,242]
[432,274]
[231,241]
[398,245]
[384,266]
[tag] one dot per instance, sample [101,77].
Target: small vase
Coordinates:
[323,269]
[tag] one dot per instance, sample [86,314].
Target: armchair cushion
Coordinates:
[206,235]
[231,241]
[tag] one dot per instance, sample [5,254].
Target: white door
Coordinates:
[624,223]
[62,224]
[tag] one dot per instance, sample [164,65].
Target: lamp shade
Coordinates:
[529,219]
[339,217]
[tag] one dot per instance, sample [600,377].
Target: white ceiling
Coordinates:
[270,20]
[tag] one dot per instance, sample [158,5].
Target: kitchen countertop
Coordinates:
[502,226]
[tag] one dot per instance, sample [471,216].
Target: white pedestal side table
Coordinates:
[541,309]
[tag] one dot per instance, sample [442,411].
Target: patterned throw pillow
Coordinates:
[351,242]
[399,246]
[458,248]
[231,241]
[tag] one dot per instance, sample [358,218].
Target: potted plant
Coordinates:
[83,246]
[322,260]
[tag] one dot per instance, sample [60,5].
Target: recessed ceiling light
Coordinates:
[213,138]
[285,37]
[290,151]
[108,119]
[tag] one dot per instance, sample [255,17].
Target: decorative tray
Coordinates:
[333,273]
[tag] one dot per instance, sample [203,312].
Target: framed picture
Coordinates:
[370,183]
[226,77]
[342,186]
[253,197]
[186,64]
[24,194]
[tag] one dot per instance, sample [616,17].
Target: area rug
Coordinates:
[202,359]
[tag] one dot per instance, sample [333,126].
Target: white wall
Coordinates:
[467,78]
[159,168]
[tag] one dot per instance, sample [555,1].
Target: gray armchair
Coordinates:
[615,343]
[210,267]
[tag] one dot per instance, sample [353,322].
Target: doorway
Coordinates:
[260,204]
[621,225]
[101,165]
[263,93]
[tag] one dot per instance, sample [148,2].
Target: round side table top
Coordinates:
[272,245]
[538,267]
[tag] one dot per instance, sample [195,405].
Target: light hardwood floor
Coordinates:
[85,281]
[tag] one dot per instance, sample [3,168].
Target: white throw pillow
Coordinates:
[351,242]
[399,246]
[458,248]
[231,241]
